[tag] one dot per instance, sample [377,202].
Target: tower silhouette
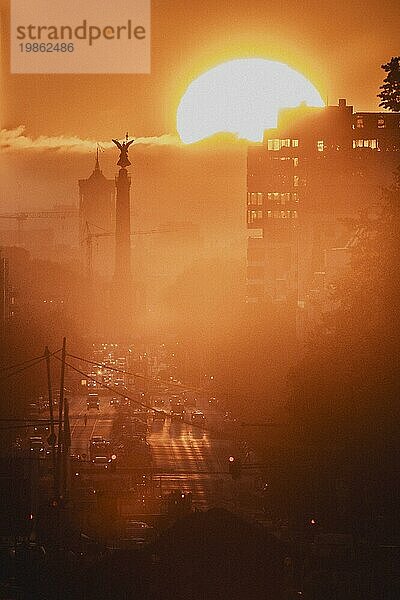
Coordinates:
[122,297]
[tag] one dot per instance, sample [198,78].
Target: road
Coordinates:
[202,460]
[99,422]
[184,458]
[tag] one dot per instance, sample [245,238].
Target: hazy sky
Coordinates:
[339,46]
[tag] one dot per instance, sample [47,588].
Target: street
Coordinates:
[184,457]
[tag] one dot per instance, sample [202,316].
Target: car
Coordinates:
[213,401]
[97,439]
[36,446]
[189,398]
[93,401]
[138,532]
[158,401]
[198,417]
[178,414]
[119,382]
[41,428]
[101,461]
[159,415]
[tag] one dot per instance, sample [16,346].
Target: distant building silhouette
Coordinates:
[96,203]
[317,169]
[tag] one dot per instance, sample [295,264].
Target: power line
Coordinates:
[170,383]
[152,379]
[28,366]
[146,406]
[24,420]
[20,364]
[22,369]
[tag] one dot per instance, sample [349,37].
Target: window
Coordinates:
[365,144]
[295,162]
[254,215]
[285,197]
[274,145]
[295,180]
[277,144]
[254,198]
[360,122]
[381,123]
[320,145]
[273,196]
[281,214]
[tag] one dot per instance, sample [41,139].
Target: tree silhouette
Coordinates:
[390,94]
[345,388]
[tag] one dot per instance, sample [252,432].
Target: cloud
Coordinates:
[16,139]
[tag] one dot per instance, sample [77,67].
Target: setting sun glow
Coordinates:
[242,97]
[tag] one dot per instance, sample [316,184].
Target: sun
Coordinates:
[242,97]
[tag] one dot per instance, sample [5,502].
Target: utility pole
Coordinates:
[66,448]
[52,437]
[60,418]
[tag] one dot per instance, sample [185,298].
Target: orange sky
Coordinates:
[339,46]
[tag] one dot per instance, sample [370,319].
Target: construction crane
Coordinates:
[21,217]
[89,236]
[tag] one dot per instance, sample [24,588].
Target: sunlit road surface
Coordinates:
[99,422]
[184,457]
[190,461]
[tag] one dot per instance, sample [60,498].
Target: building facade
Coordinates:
[319,169]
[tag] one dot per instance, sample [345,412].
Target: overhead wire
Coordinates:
[125,395]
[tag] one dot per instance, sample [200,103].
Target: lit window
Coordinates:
[277,144]
[295,162]
[360,122]
[320,145]
[295,180]
[259,198]
[285,197]
[381,123]
[365,144]
[274,145]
